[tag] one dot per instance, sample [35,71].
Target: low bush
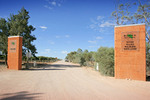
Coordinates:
[105,57]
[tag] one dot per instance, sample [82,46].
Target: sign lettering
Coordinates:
[130,41]
[13,46]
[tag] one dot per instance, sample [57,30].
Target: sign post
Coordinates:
[28,55]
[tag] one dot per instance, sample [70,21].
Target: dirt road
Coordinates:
[66,81]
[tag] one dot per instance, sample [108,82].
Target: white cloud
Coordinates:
[52,42]
[43,28]
[47,50]
[59,5]
[99,17]
[101,24]
[98,38]
[68,42]
[67,36]
[49,7]
[93,46]
[94,42]
[101,30]
[106,24]
[92,26]
[57,36]
[53,3]
[93,21]
[64,52]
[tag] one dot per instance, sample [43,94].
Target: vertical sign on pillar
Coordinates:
[14,52]
[130,52]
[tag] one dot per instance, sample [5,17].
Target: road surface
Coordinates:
[67,81]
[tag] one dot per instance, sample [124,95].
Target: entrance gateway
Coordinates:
[130,52]
[14,60]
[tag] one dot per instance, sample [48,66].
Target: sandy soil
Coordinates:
[66,81]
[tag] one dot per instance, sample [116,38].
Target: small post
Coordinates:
[97,66]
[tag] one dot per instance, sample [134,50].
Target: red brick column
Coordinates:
[14,59]
[130,52]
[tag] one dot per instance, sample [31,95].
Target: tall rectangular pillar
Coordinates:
[14,59]
[130,52]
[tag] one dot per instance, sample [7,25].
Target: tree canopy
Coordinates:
[17,25]
[133,13]
[104,56]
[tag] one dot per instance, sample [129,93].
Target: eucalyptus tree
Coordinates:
[133,13]
[17,25]
[4,33]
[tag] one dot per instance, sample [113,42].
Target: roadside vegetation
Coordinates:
[41,59]
[33,61]
[123,14]
[104,56]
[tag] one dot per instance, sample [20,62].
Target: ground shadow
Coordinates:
[23,95]
[40,69]
[57,66]
[148,78]
[2,63]
[43,67]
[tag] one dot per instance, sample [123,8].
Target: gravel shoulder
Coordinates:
[67,81]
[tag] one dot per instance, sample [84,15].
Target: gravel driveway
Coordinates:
[67,81]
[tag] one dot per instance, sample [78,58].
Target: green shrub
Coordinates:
[147,57]
[2,57]
[105,57]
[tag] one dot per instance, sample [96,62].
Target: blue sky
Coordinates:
[63,26]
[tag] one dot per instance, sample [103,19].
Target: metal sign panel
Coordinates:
[13,46]
[130,41]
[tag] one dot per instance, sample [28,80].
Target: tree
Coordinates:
[18,25]
[105,57]
[86,51]
[80,57]
[4,37]
[87,55]
[147,56]
[79,51]
[71,56]
[125,14]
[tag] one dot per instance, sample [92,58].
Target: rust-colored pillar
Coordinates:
[130,52]
[14,59]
